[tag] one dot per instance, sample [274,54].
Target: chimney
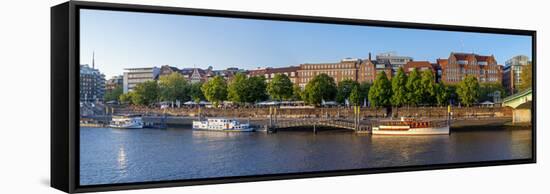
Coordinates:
[369,56]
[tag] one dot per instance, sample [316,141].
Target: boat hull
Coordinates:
[222,125]
[134,126]
[414,131]
[225,130]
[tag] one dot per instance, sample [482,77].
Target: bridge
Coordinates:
[314,123]
[522,104]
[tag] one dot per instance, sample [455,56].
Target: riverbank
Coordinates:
[487,124]
[463,124]
[322,112]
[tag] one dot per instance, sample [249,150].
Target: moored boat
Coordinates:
[127,122]
[222,124]
[409,126]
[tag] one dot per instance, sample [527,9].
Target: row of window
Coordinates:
[140,75]
[329,66]
[469,71]
[272,75]
[465,62]
[330,73]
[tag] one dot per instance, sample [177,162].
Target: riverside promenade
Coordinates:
[333,112]
[336,117]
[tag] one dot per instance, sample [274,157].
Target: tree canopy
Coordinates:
[427,86]
[380,93]
[297,93]
[173,87]
[280,87]
[443,94]
[487,91]
[344,90]
[236,90]
[355,96]
[468,90]
[399,88]
[215,90]
[321,87]
[414,88]
[195,92]
[256,89]
[114,94]
[243,89]
[526,77]
[145,93]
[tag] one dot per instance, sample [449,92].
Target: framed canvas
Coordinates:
[149,96]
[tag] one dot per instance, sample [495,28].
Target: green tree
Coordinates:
[468,90]
[380,93]
[113,95]
[145,93]
[364,88]
[297,93]
[344,90]
[442,94]
[173,87]
[236,90]
[399,88]
[321,87]
[195,92]
[125,98]
[414,90]
[215,90]
[355,96]
[427,85]
[256,89]
[247,90]
[487,91]
[280,87]
[526,77]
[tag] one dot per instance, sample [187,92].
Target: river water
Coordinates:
[139,155]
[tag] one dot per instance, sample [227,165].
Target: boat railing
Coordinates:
[413,123]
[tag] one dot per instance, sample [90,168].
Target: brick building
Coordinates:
[345,69]
[114,82]
[269,73]
[459,65]
[360,70]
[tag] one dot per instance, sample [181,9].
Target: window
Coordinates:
[462,62]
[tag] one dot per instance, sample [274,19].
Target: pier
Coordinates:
[314,123]
[354,124]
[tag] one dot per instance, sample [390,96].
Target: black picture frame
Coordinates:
[64,93]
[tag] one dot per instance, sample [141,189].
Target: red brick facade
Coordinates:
[460,65]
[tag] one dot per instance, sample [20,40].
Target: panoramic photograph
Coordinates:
[180,97]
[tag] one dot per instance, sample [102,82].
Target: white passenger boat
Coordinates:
[222,124]
[127,122]
[409,126]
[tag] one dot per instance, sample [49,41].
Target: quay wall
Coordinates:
[432,112]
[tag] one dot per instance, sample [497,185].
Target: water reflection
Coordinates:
[122,160]
[124,156]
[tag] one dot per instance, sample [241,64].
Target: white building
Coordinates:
[393,59]
[134,76]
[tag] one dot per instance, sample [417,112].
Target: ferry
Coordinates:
[222,124]
[127,122]
[410,126]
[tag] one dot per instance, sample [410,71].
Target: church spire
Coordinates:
[93,60]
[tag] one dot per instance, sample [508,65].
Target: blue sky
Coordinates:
[129,39]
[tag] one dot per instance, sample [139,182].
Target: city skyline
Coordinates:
[161,39]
